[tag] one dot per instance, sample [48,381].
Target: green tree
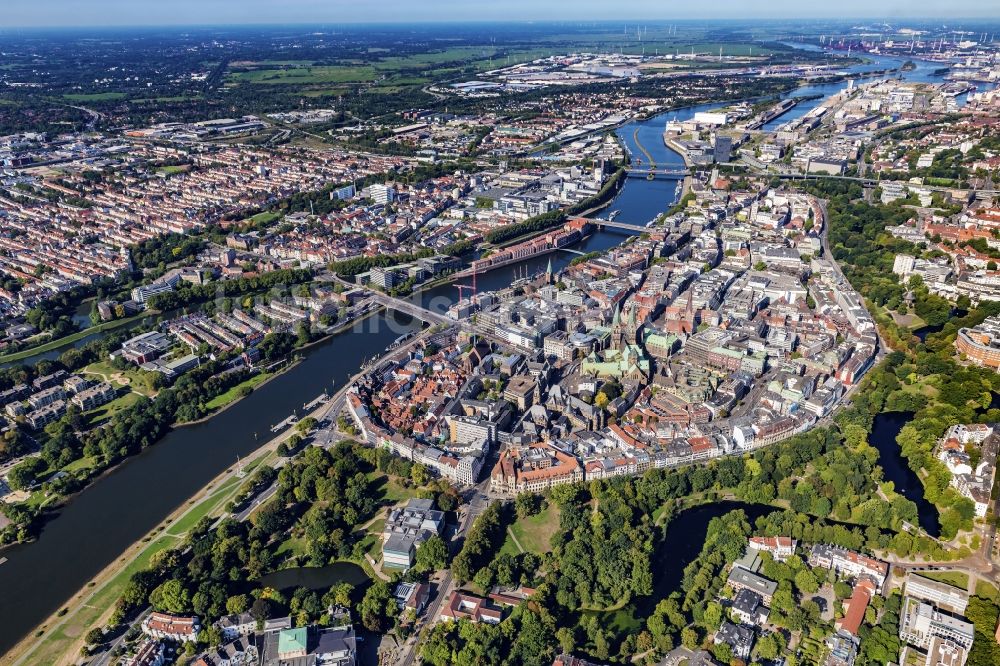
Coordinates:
[25,474]
[713,615]
[432,555]
[339,595]
[236,604]
[690,638]
[723,652]
[527,504]
[171,597]
[378,607]
[983,614]
[567,639]
[805,581]
[770,646]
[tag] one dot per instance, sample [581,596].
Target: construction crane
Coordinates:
[460,287]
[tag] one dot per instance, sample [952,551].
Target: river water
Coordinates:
[103,520]
[106,518]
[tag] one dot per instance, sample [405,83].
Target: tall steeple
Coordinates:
[619,330]
[549,276]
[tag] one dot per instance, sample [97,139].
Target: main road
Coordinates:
[476,502]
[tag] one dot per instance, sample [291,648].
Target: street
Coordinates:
[477,501]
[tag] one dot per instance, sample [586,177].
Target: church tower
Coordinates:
[631,326]
[617,334]
[623,331]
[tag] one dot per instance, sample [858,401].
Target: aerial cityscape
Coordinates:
[557,334]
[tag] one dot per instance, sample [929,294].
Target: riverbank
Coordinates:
[70,623]
[55,502]
[67,340]
[547,222]
[62,643]
[129,502]
[679,149]
[59,638]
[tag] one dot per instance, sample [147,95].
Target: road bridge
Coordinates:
[611,224]
[410,308]
[865,182]
[659,174]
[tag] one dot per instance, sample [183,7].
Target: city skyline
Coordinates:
[117,13]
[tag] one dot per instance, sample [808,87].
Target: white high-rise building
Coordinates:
[382,194]
[903,264]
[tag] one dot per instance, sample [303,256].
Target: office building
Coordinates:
[406,528]
[920,623]
[942,595]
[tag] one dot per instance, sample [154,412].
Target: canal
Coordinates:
[102,521]
[680,546]
[883,437]
[81,317]
[319,579]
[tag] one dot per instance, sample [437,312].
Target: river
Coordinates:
[98,525]
[102,521]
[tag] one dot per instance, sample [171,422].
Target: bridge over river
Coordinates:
[659,174]
[612,224]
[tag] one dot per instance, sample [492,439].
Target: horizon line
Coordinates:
[472,21]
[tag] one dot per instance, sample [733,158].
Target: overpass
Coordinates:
[411,308]
[661,174]
[419,312]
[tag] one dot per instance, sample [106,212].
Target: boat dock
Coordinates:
[316,402]
[284,424]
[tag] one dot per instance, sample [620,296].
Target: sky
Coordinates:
[60,13]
